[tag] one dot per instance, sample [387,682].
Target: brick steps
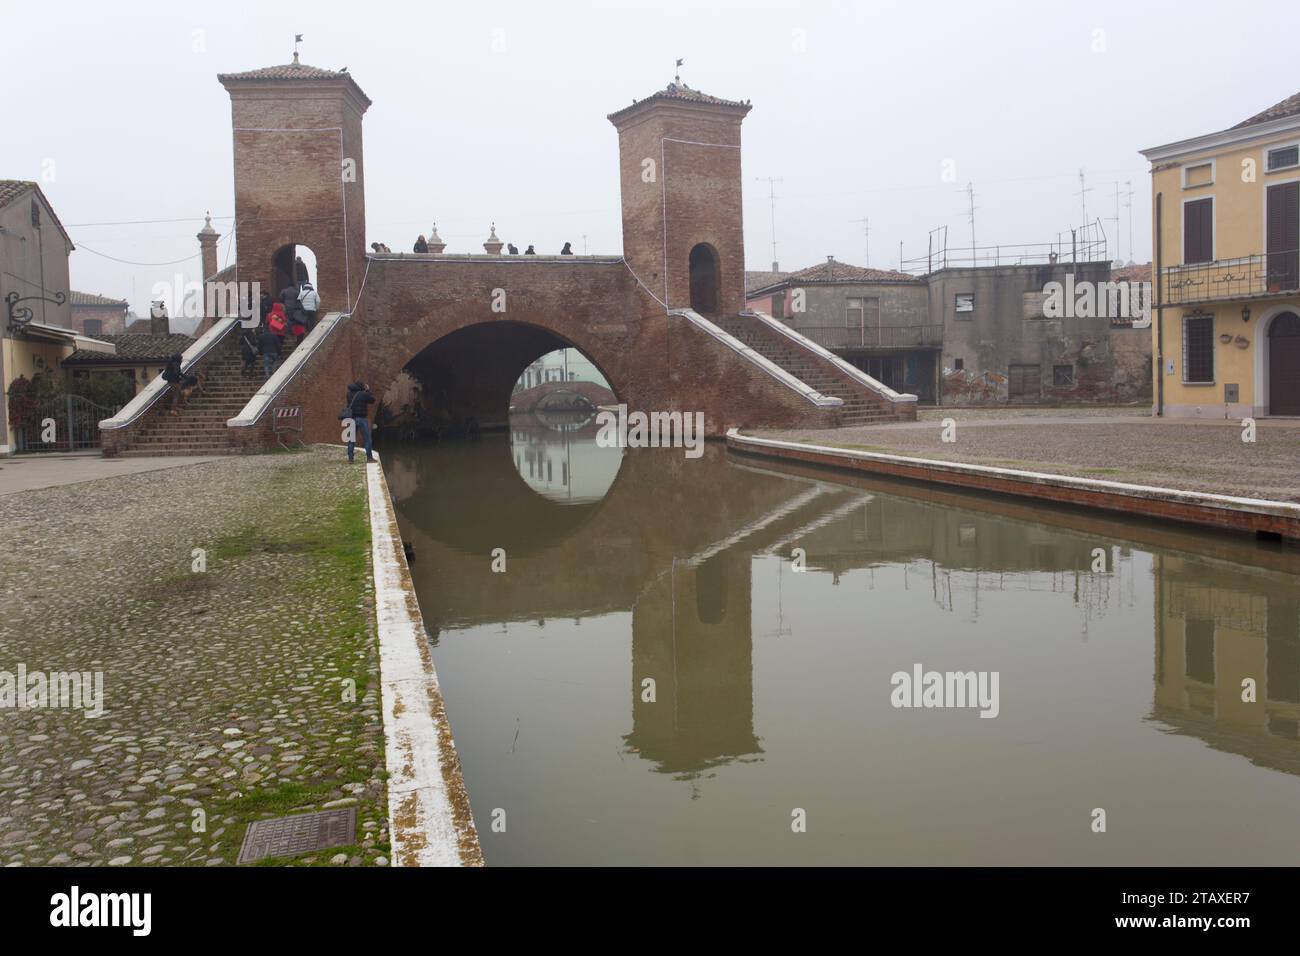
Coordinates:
[199,426]
[860,407]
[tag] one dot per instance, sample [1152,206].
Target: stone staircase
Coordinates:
[199,425]
[861,405]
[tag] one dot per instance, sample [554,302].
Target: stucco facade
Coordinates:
[1226,217]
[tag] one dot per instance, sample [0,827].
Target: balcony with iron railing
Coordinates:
[1247,277]
[867,336]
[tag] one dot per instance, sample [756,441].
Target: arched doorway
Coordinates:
[1284,364]
[291,265]
[706,279]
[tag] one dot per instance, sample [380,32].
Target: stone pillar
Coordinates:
[436,245]
[493,244]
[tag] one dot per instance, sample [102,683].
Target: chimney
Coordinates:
[830,271]
[776,266]
[159,323]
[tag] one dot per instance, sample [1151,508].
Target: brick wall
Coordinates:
[653,362]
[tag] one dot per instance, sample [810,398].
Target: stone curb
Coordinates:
[1190,507]
[430,820]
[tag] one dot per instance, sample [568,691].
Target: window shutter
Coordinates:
[1198,231]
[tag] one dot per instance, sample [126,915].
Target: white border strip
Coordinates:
[798,338]
[757,358]
[417,739]
[155,389]
[264,396]
[1282,509]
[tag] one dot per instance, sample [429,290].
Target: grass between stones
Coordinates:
[227,692]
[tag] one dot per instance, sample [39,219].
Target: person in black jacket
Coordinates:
[270,346]
[358,412]
[421,244]
[181,383]
[247,349]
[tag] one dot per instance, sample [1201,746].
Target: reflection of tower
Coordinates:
[691,635]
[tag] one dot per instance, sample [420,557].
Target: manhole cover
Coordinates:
[303,833]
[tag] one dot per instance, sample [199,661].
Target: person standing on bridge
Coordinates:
[269,343]
[358,411]
[567,250]
[309,302]
[421,244]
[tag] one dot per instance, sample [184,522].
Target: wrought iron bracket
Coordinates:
[20,316]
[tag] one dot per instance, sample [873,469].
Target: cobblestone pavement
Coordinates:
[1006,412]
[1191,456]
[225,691]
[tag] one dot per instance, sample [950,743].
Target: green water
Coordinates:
[770,694]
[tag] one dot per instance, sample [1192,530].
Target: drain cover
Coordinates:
[303,833]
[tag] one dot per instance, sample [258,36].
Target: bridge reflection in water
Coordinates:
[652,680]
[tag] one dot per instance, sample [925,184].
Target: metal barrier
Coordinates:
[287,419]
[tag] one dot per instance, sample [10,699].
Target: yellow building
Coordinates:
[1226,218]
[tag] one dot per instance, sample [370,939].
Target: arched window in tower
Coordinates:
[706,279]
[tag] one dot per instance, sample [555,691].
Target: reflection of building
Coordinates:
[557,466]
[1216,627]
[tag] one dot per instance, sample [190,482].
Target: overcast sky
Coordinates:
[858,106]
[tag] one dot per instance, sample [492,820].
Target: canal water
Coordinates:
[692,661]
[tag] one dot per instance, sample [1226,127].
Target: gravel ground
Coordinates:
[1191,456]
[224,690]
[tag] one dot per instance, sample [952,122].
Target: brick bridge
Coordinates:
[560,393]
[664,321]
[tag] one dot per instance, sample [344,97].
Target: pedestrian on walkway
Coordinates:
[270,345]
[567,250]
[357,411]
[421,244]
[530,251]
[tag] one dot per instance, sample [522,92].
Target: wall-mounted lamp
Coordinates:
[1245,313]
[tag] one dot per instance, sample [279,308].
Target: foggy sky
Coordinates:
[115,109]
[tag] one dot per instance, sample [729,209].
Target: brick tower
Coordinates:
[679,169]
[299,177]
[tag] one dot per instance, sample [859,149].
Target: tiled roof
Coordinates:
[1287,107]
[132,347]
[292,71]
[835,271]
[755,279]
[1133,273]
[11,189]
[681,93]
[87,298]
